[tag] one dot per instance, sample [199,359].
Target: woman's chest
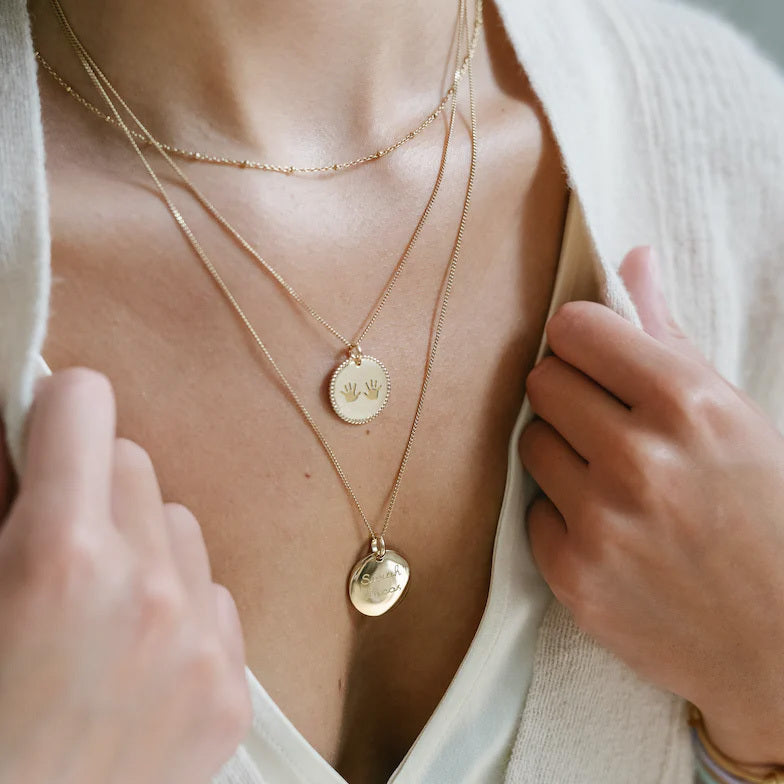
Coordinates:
[131,299]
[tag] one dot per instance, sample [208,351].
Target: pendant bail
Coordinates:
[355,353]
[378,547]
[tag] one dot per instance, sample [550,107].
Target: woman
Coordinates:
[649,481]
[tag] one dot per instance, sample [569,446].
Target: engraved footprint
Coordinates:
[349,391]
[373,388]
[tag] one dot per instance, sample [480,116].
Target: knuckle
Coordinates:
[630,451]
[713,406]
[65,561]
[204,668]
[159,603]
[692,400]
[641,467]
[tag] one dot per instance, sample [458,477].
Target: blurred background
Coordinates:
[763,19]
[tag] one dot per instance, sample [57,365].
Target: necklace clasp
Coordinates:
[355,353]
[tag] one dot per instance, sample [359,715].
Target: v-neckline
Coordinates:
[455,695]
[478,714]
[516,601]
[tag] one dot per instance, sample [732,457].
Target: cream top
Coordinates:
[670,129]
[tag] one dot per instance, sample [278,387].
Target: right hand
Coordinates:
[121,662]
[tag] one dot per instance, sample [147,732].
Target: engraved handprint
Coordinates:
[349,391]
[373,388]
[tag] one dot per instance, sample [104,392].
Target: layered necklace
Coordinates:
[360,385]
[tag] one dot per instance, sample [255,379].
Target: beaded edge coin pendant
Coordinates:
[379,580]
[359,388]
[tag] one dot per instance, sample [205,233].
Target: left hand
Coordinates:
[662,523]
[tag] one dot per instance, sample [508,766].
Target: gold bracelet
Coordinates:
[731,766]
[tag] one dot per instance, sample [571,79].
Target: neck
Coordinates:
[300,78]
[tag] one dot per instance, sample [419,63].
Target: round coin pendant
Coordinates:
[359,389]
[377,585]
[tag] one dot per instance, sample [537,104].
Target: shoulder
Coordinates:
[659,109]
[670,123]
[711,107]
[707,86]
[713,116]
[709,95]
[708,101]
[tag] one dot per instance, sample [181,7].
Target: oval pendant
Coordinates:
[377,585]
[359,389]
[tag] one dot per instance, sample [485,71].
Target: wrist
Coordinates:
[753,750]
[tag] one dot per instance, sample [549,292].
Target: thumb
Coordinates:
[640,273]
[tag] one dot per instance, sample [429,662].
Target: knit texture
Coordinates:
[670,126]
[669,123]
[24,223]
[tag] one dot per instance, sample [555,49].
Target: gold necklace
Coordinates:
[360,385]
[245,163]
[379,580]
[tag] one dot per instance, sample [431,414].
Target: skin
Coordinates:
[130,300]
[660,522]
[115,639]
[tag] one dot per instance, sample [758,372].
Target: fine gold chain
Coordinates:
[229,228]
[269,167]
[92,71]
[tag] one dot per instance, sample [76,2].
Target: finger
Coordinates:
[189,552]
[548,537]
[137,506]
[558,470]
[612,351]
[641,274]
[584,413]
[229,625]
[70,444]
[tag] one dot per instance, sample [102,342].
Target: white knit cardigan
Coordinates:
[671,127]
